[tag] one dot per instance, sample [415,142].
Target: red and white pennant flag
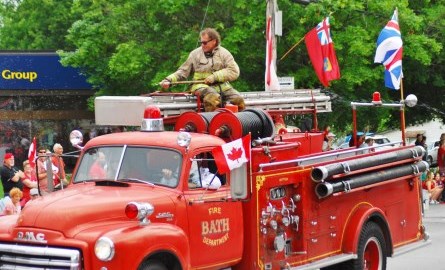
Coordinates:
[271,78]
[232,155]
[32,153]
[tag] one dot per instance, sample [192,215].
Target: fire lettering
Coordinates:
[215,210]
[11,75]
[215,226]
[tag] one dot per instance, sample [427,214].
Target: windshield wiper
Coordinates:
[135,180]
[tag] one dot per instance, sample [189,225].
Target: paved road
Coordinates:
[431,257]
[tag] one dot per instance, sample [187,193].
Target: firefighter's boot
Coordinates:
[238,101]
[211,102]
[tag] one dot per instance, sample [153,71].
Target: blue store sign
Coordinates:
[38,72]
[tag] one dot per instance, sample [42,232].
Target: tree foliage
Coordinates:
[35,24]
[127,47]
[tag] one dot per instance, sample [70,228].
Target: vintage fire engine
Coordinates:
[137,199]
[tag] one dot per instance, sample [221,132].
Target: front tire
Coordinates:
[152,265]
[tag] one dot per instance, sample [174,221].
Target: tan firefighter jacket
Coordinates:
[221,64]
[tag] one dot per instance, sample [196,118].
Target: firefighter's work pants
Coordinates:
[212,99]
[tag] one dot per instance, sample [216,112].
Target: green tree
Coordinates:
[127,47]
[35,24]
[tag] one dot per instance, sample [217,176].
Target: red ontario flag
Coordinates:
[321,52]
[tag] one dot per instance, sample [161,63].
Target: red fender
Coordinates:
[144,241]
[356,220]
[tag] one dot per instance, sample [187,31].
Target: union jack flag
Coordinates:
[324,32]
[389,52]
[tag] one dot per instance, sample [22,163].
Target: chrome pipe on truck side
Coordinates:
[325,189]
[322,173]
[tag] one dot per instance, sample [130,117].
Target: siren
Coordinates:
[376,99]
[152,119]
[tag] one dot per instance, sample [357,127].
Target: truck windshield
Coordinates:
[123,163]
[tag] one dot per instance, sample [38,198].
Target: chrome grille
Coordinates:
[21,257]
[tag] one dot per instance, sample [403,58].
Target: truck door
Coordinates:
[215,222]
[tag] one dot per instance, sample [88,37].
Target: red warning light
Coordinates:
[152,112]
[376,99]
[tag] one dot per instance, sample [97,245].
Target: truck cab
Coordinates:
[122,173]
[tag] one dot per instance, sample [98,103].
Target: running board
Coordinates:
[326,262]
[410,247]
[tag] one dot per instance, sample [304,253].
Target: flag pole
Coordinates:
[293,47]
[402,113]
[402,99]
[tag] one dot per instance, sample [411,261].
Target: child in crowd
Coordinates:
[29,182]
[13,206]
[433,188]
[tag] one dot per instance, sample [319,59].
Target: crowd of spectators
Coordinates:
[434,178]
[20,185]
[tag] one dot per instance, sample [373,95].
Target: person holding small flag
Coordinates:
[200,174]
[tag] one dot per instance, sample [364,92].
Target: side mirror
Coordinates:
[238,183]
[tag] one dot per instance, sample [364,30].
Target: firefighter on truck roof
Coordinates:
[213,67]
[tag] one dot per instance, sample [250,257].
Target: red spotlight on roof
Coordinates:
[152,119]
[376,100]
[152,112]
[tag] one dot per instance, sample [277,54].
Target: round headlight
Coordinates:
[104,249]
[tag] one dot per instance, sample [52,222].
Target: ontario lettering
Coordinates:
[19,75]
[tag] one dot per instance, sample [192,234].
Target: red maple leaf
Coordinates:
[235,154]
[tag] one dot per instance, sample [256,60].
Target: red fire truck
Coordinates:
[138,200]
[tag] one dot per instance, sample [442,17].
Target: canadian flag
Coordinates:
[232,155]
[32,153]
[271,79]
